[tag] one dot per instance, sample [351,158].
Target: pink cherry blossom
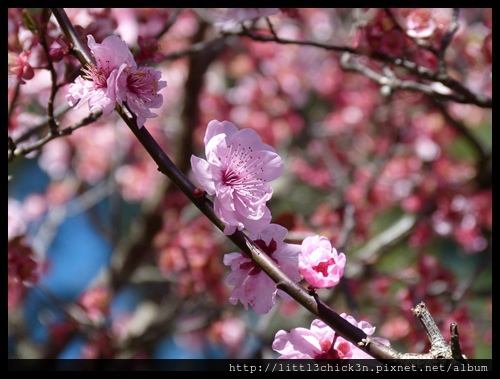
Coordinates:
[20,67]
[252,285]
[366,327]
[231,333]
[420,23]
[319,263]
[321,342]
[237,168]
[95,302]
[16,222]
[106,79]
[115,78]
[149,49]
[142,92]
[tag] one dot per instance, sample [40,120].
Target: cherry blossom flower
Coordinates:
[230,332]
[95,302]
[252,285]
[321,342]
[105,79]
[16,223]
[420,23]
[319,263]
[115,78]
[20,67]
[149,49]
[237,168]
[142,92]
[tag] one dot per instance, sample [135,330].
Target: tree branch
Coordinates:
[15,151]
[463,94]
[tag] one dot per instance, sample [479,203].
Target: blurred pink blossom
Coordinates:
[95,303]
[237,168]
[231,17]
[420,23]
[19,67]
[319,263]
[230,332]
[149,49]
[16,223]
[252,285]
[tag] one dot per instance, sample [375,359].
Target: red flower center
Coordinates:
[323,266]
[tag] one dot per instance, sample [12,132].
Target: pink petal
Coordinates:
[202,174]
[216,127]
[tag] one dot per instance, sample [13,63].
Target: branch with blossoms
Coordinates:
[381,42]
[443,84]
[239,238]
[128,255]
[237,168]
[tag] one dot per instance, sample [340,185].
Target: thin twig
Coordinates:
[445,42]
[53,134]
[462,95]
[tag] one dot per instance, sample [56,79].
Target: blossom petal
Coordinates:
[112,52]
[202,173]
[216,127]
[252,285]
[256,225]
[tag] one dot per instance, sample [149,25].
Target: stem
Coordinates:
[79,48]
[433,332]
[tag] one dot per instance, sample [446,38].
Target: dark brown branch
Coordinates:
[171,20]
[445,42]
[285,41]
[53,75]
[52,134]
[393,83]
[456,351]
[80,49]
[484,174]
[194,49]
